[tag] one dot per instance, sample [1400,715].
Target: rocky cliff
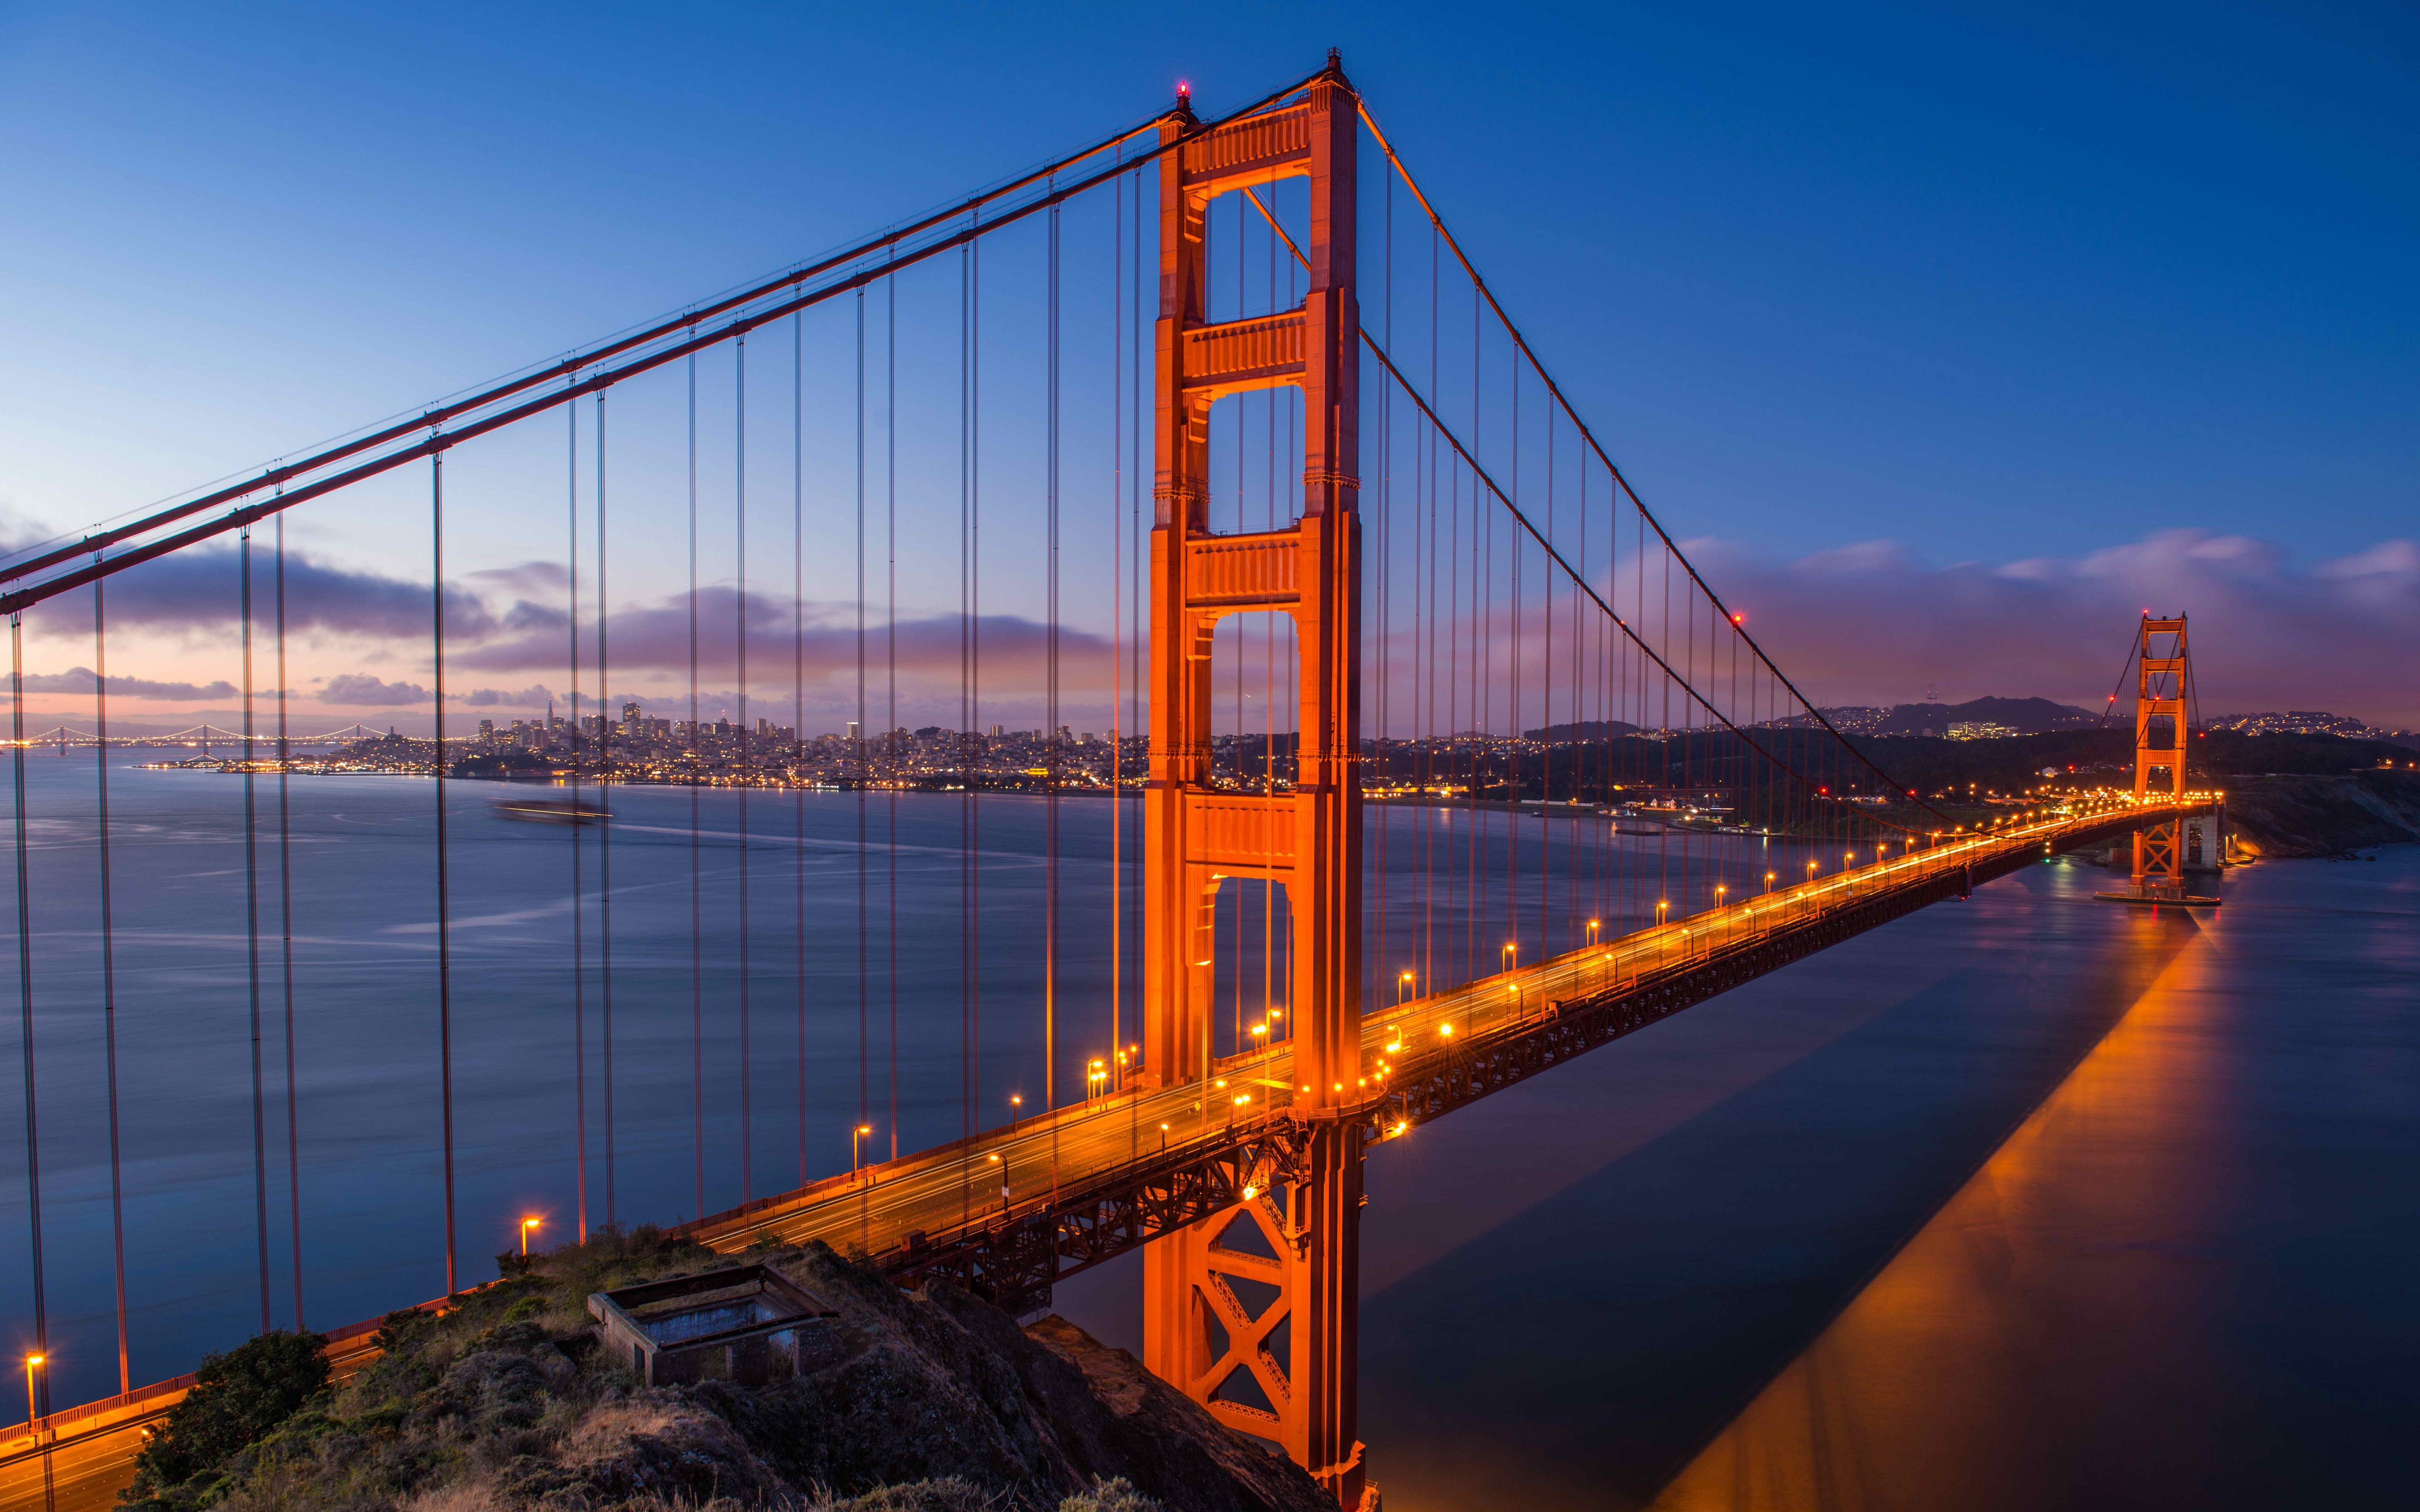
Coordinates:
[925,1402]
[2323,815]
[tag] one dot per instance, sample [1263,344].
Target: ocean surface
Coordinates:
[2021,1201]
[904,1024]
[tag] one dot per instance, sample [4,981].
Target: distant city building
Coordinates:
[1982,729]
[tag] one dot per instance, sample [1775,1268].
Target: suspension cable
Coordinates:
[252,934]
[696,856]
[109,979]
[444,903]
[25,999]
[746,748]
[1521,342]
[605,831]
[601,377]
[285,934]
[578,942]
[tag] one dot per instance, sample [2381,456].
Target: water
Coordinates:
[2018,1203]
[2022,1201]
[820,1014]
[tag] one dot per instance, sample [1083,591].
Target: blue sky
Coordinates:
[1860,296]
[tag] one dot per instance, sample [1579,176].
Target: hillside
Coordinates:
[930,1401]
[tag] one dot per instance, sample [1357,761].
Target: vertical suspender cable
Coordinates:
[1050,681]
[747,742]
[966,722]
[25,1000]
[109,972]
[891,670]
[444,902]
[1050,703]
[798,706]
[578,943]
[1117,614]
[697,857]
[251,936]
[855,755]
[974,664]
[605,832]
[285,941]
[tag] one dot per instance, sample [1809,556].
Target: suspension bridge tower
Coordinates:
[2162,669]
[1252,1310]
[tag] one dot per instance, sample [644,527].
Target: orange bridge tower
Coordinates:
[2163,669]
[1253,1311]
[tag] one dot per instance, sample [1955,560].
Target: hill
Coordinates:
[2023,717]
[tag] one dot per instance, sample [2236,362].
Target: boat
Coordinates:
[549,811]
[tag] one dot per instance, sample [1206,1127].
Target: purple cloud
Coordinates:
[1867,623]
[81,680]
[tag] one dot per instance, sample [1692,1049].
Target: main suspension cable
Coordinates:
[601,377]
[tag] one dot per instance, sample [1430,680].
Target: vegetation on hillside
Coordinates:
[925,1402]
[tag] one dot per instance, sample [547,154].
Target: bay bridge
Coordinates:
[1432,758]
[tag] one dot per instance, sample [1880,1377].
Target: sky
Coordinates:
[1945,340]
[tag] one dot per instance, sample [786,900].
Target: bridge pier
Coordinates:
[1253,1310]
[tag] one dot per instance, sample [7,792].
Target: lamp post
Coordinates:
[1403,985]
[856,1141]
[1591,934]
[1768,882]
[1014,1104]
[528,1223]
[1510,946]
[33,1362]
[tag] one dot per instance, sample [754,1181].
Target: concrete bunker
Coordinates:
[748,1324]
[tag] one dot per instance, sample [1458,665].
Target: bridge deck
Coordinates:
[1061,1167]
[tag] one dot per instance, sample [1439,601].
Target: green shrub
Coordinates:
[237,1398]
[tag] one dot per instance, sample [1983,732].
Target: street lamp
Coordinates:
[528,1223]
[1591,934]
[1768,882]
[856,1138]
[33,1362]
[1403,985]
[1660,906]
[1014,1104]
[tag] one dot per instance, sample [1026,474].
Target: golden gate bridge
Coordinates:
[1339,594]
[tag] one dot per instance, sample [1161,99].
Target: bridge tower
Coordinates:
[2161,670]
[1253,1311]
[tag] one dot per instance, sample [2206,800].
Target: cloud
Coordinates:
[198,591]
[1868,623]
[362,690]
[81,680]
[653,639]
[533,697]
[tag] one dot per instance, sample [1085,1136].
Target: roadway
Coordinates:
[89,1458]
[1053,1155]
